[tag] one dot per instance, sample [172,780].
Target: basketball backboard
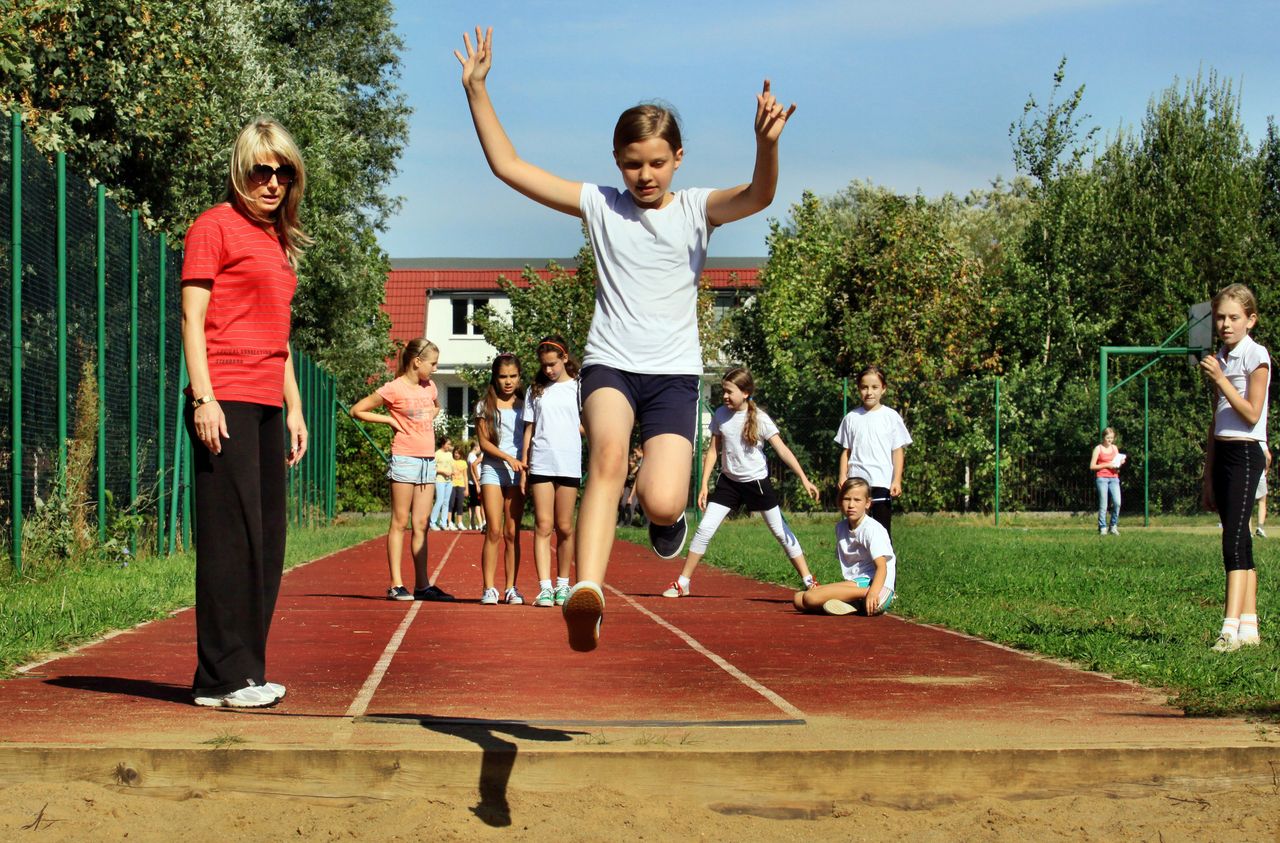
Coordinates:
[1199,330]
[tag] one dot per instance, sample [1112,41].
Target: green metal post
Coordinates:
[1146,452]
[997,498]
[102,362]
[1102,397]
[179,448]
[162,334]
[61,263]
[188,474]
[332,446]
[15,331]
[133,368]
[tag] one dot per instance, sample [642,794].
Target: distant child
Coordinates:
[873,437]
[1261,495]
[500,429]
[866,560]
[643,358]
[412,403]
[629,505]
[444,485]
[739,430]
[1105,462]
[473,485]
[458,505]
[553,452]
[1235,455]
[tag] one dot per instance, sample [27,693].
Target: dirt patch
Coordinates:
[82,811]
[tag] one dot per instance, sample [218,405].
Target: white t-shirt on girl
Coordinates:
[872,437]
[556,446]
[738,460]
[1238,364]
[648,261]
[857,550]
[510,430]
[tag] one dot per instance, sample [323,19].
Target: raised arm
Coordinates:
[734,203]
[534,182]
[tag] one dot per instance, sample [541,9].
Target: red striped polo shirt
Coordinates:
[247,325]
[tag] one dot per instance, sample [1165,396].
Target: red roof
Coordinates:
[411,281]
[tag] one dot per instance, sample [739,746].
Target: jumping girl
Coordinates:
[739,430]
[1240,374]
[553,452]
[643,358]
[873,437]
[867,561]
[500,431]
[412,403]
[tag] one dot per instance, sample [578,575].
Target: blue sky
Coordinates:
[915,95]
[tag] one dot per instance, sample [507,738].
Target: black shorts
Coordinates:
[661,403]
[755,495]
[459,497]
[558,480]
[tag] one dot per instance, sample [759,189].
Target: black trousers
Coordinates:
[240,536]
[1237,467]
[882,507]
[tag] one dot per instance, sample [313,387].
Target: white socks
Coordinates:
[1230,628]
[562,582]
[683,581]
[1248,628]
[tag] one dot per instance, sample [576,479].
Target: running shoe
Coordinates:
[1115,531]
[274,688]
[398,592]
[1259,532]
[561,594]
[668,540]
[513,597]
[676,590]
[546,597]
[1226,644]
[433,592]
[250,696]
[1249,641]
[490,597]
[838,607]
[583,615]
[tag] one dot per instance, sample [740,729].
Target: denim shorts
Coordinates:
[494,472]
[415,470]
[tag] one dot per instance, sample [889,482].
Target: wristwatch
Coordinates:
[203,399]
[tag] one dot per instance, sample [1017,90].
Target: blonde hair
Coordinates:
[1241,295]
[261,138]
[741,378]
[414,349]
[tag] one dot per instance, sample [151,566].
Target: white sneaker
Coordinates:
[1249,641]
[490,597]
[1226,644]
[1260,533]
[583,615]
[434,526]
[546,597]
[676,590]
[512,597]
[250,696]
[1115,531]
[838,607]
[275,688]
[451,526]
[1102,531]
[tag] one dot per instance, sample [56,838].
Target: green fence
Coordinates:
[93,371]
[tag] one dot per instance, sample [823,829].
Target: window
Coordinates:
[464,310]
[455,401]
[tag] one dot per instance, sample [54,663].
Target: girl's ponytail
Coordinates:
[742,379]
[751,430]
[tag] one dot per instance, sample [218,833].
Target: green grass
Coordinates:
[55,610]
[1143,606]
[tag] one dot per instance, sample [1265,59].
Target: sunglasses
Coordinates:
[261,174]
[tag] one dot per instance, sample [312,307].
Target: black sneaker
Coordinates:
[433,592]
[398,592]
[667,541]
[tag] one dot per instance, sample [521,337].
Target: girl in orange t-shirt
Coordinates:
[412,403]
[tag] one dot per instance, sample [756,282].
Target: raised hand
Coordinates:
[771,118]
[478,60]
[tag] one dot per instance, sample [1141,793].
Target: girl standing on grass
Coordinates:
[739,430]
[643,358]
[1240,374]
[444,485]
[1105,462]
[553,452]
[866,557]
[412,403]
[500,431]
[873,437]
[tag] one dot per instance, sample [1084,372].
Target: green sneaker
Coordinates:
[561,595]
[546,597]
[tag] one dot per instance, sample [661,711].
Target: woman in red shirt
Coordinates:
[238,280]
[1105,462]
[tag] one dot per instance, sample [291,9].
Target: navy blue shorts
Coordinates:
[661,403]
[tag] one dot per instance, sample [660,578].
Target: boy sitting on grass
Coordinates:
[866,559]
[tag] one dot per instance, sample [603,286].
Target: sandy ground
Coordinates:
[82,811]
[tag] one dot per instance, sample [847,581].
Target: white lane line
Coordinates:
[361,703]
[769,695]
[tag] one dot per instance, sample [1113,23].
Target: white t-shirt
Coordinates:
[1238,364]
[872,437]
[738,460]
[648,261]
[556,446]
[857,550]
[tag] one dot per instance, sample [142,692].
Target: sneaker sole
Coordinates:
[838,607]
[583,612]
